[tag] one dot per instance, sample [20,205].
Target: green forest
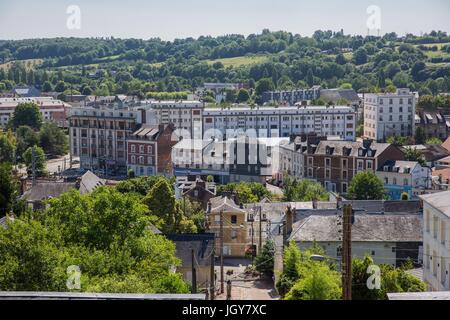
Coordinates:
[106,66]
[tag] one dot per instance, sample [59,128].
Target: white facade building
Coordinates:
[389,114]
[184,114]
[51,109]
[284,121]
[436,240]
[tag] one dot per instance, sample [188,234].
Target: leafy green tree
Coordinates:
[420,136]
[139,185]
[162,204]
[412,154]
[105,233]
[7,147]
[319,283]
[264,261]
[27,114]
[242,96]
[263,85]
[366,186]
[247,192]
[47,86]
[304,190]
[360,56]
[8,189]
[53,140]
[25,138]
[392,280]
[40,160]
[433,140]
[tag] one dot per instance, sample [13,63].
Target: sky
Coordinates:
[171,19]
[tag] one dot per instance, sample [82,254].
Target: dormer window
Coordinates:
[361,152]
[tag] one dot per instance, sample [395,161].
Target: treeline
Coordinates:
[133,66]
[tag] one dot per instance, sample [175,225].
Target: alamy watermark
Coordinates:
[73,281]
[374,20]
[73,21]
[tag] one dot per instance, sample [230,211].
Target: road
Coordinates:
[244,287]
[55,166]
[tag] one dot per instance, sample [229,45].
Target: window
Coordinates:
[133,148]
[405,182]
[150,149]
[233,219]
[369,165]
[427,221]
[344,187]
[233,234]
[133,159]
[435,227]
[394,181]
[386,180]
[443,231]
[141,160]
[360,165]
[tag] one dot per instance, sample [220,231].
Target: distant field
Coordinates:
[29,63]
[438,45]
[240,61]
[436,54]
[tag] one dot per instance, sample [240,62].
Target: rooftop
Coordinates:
[440,201]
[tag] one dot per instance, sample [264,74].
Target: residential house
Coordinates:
[441,179]
[389,233]
[224,214]
[149,150]
[436,240]
[26,92]
[446,144]
[431,153]
[197,249]
[443,163]
[404,177]
[335,163]
[198,190]
[433,123]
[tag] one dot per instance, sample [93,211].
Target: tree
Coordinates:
[242,96]
[105,233]
[366,186]
[392,280]
[139,185]
[162,204]
[420,136]
[263,85]
[360,56]
[39,157]
[319,283]
[303,190]
[25,138]
[413,154]
[264,261]
[47,86]
[433,141]
[27,114]
[247,192]
[7,148]
[8,189]
[53,140]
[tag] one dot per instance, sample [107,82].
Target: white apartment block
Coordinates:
[290,161]
[183,114]
[51,109]
[98,137]
[389,114]
[284,121]
[436,240]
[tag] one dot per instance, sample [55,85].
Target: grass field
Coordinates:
[240,61]
[438,45]
[29,64]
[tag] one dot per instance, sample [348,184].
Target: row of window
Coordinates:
[141,160]
[142,149]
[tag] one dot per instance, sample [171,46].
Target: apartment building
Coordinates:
[51,109]
[404,177]
[183,114]
[334,163]
[436,240]
[149,150]
[232,160]
[98,137]
[433,123]
[389,114]
[284,121]
[291,96]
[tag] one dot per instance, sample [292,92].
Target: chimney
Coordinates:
[143,116]
[289,221]
[208,207]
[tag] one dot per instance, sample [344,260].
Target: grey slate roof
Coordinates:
[440,201]
[367,228]
[46,190]
[89,181]
[352,148]
[224,204]
[202,243]
[442,295]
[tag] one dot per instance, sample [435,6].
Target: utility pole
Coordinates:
[260,229]
[221,253]
[194,273]
[212,286]
[347,253]
[33,164]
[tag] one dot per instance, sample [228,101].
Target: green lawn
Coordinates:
[240,61]
[29,63]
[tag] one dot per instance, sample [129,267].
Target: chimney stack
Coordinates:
[289,220]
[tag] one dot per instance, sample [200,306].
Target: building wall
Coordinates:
[388,115]
[436,254]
